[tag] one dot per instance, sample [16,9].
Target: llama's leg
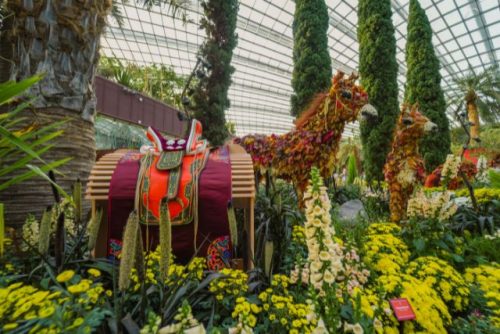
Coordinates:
[395,206]
[268,182]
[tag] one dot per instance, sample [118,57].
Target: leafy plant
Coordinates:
[485,220]
[345,193]
[275,216]
[432,237]
[473,324]
[19,148]
[157,81]
[481,250]
[376,206]
[352,171]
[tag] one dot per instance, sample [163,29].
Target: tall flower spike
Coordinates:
[128,251]
[325,256]
[93,228]
[233,224]
[77,199]
[165,239]
[139,256]
[44,236]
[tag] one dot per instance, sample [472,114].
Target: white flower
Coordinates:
[316,266]
[324,256]
[328,277]
[450,167]
[357,329]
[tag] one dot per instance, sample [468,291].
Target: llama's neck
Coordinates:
[405,146]
[324,120]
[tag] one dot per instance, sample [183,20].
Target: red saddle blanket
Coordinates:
[214,195]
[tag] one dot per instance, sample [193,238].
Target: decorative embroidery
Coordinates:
[115,248]
[170,160]
[173,183]
[219,253]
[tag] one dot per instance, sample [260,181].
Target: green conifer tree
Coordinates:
[352,171]
[378,70]
[210,96]
[312,68]
[423,85]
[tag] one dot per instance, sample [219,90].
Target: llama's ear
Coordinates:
[336,78]
[404,109]
[354,76]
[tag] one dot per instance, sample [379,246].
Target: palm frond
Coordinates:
[178,8]
[485,86]
[116,11]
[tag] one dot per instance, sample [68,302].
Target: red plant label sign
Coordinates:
[402,309]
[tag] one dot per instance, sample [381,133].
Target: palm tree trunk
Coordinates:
[473,118]
[61,39]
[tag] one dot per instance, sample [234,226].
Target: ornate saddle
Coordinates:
[169,175]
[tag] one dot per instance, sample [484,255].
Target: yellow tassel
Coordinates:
[165,239]
[233,225]
[44,233]
[93,228]
[127,258]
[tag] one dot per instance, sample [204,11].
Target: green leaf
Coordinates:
[419,244]
[19,143]
[457,258]
[41,172]
[11,89]
[22,162]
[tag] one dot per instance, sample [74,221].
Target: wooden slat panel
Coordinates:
[98,184]
[243,189]
[99,191]
[248,195]
[98,198]
[102,172]
[99,178]
[242,177]
[242,171]
[244,183]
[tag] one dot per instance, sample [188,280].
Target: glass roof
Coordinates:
[466,35]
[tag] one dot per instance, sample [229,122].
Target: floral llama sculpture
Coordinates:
[315,139]
[404,166]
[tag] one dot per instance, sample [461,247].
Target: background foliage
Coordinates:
[312,69]
[157,81]
[424,85]
[378,69]
[210,96]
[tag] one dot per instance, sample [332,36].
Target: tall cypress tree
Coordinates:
[210,96]
[423,85]
[312,68]
[378,69]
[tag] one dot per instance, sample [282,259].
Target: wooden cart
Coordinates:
[243,193]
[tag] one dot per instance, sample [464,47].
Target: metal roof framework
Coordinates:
[466,36]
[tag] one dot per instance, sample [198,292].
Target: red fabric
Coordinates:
[214,195]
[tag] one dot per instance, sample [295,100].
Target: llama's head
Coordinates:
[412,123]
[344,102]
[351,96]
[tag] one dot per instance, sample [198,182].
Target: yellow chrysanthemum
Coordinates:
[65,276]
